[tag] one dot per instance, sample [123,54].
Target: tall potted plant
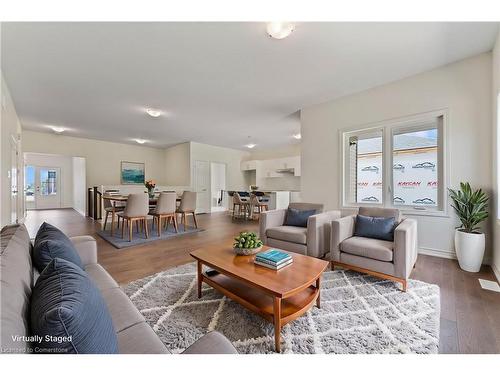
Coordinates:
[471,207]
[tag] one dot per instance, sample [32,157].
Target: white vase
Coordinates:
[470,250]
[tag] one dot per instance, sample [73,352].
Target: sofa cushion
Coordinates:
[140,339]
[212,343]
[381,228]
[100,277]
[16,281]
[298,218]
[288,233]
[66,305]
[123,312]
[51,243]
[369,248]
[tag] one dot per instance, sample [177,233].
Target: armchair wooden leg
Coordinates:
[403,285]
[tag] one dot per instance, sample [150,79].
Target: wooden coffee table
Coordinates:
[278,296]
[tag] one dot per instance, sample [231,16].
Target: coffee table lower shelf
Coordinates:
[278,311]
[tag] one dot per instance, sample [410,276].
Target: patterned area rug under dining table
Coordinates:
[358,314]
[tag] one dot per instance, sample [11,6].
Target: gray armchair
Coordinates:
[312,241]
[384,259]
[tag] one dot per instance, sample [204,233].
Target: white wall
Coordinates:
[178,165]
[464,88]
[495,264]
[10,128]
[275,153]
[235,178]
[79,185]
[102,158]
[285,182]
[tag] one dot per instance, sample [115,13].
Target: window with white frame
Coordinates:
[397,164]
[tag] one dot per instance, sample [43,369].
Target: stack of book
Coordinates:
[273,258]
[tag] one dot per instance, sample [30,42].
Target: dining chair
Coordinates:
[137,210]
[110,207]
[187,206]
[165,209]
[242,205]
[255,203]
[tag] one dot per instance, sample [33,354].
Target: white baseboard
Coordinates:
[448,255]
[437,253]
[496,271]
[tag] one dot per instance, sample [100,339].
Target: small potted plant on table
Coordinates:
[247,243]
[471,208]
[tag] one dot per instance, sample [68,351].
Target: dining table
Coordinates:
[113,198]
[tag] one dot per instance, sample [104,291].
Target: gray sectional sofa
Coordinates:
[17,278]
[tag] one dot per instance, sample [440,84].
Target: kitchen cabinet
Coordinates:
[249,165]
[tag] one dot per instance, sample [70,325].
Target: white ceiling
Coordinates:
[218,82]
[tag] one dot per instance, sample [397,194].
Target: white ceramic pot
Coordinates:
[470,250]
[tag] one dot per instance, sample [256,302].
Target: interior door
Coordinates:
[201,184]
[48,187]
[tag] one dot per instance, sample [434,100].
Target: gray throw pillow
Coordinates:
[381,228]
[298,218]
[50,243]
[69,313]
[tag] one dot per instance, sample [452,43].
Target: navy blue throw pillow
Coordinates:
[69,314]
[298,218]
[381,228]
[51,243]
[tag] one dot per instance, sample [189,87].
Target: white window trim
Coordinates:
[388,127]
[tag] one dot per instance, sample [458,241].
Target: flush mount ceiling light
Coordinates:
[297,136]
[250,145]
[153,112]
[280,30]
[141,141]
[57,129]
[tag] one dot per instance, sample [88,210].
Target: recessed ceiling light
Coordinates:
[280,30]
[141,141]
[250,145]
[297,136]
[153,112]
[57,129]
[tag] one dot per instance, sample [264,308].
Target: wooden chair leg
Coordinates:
[106,220]
[184,220]
[123,225]
[167,221]
[234,209]
[159,226]
[195,222]
[130,224]
[153,225]
[175,223]
[145,225]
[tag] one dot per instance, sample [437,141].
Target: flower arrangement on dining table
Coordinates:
[150,185]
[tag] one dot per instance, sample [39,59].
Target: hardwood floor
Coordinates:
[470,316]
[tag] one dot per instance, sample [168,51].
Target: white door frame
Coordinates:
[14,181]
[222,207]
